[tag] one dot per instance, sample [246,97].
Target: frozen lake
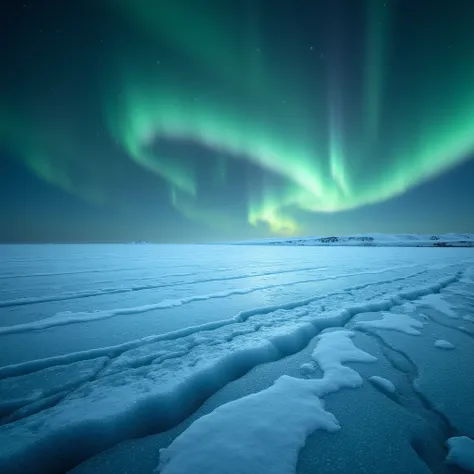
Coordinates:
[100,344]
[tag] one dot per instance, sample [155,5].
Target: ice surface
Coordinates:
[442,344]
[443,378]
[159,282]
[377,434]
[396,322]
[79,386]
[324,452]
[461,452]
[69,317]
[383,384]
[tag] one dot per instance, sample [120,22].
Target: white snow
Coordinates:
[442,344]
[395,322]
[334,349]
[437,302]
[461,452]
[262,432]
[383,384]
[307,369]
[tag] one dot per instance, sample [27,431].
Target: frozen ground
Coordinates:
[218,359]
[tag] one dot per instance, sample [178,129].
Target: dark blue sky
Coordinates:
[130,121]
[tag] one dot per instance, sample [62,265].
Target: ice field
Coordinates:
[236,359]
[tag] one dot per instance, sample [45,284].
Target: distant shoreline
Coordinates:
[372,240]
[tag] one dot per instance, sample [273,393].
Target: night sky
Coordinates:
[191,121]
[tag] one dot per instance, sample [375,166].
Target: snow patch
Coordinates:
[262,432]
[461,452]
[395,322]
[383,384]
[437,302]
[333,349]
[307,369]
[442,344]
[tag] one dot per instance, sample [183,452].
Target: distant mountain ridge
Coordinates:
[375,240]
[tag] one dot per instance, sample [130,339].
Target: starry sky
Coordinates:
[214,120]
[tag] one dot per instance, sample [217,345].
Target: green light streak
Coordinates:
[229,93]
[51,154]
[378,12]
[315,180]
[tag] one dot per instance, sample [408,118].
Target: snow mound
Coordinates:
[257,433]
[461,452]
[383,384]
[395,322]
[442,344]
[307,369]
[333,349]
[437,302]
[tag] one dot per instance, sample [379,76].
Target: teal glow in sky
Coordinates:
[253,114]
[313,165]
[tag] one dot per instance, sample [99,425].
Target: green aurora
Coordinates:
[328,132]
[313,162]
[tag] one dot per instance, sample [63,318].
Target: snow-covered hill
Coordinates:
[375,240]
